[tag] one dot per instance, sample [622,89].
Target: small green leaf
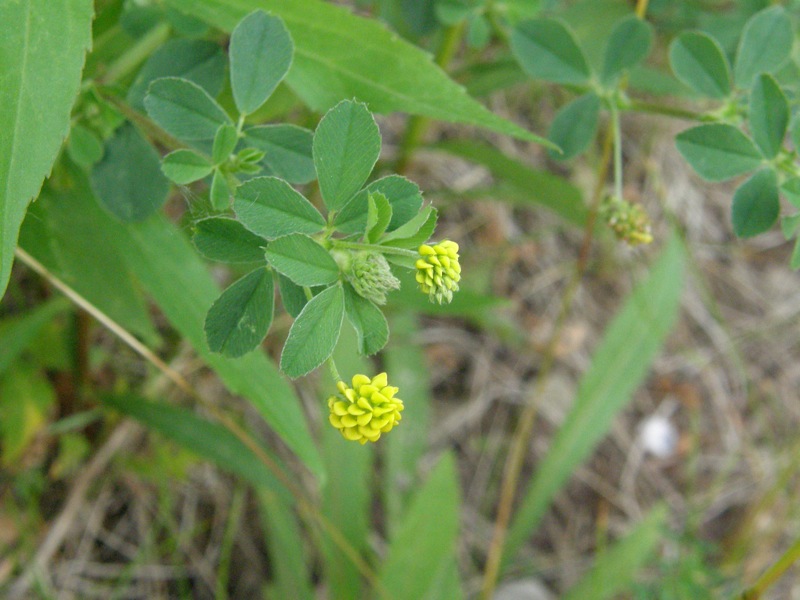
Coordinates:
[239,319]
[718,151]
[220,194]
[346,146]
[302,260]
[698,61]
[227,240]
[368,321]
[755,204]
[271,208]
[765,44]
[260,56]
[628,45]
[83,146]
[185,166]
[287,150]
[415,232]
[403,195]
[314,333]
[184,109]
[379,214]
[199,61]
[26,395]
[769,115]
[128,181]
[225,141]
[546,49]
[574,126]
[292,295]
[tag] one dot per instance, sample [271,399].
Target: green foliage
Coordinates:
[314,333]
[186,166]
[260,55]
[184,109]
[241,316]
[755,204]
[628,45]
[547,50]
[765,44]
[769,115]
[719,151]
[699,62]
[208,440]
[433,510]
[271,208]
[575,125]
[371,63]
[347,144]
[41,75]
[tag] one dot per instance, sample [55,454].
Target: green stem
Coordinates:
[667,111]
[136,54]
[417,125]
[334,371]
[375,248]
[775,572]
[617,151]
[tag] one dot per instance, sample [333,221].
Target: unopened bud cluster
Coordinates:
[438,271]
[628,221]
[370,275]
[365,410]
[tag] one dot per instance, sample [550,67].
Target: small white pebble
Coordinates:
[658,436]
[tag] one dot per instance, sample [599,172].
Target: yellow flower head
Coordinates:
[438,271]
[365,410]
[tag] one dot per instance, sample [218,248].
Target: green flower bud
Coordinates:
[438,271]
[365,410]
[369,273]
[628,221]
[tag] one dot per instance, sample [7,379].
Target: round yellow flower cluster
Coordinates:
[365,410]
[628,221]
[438,271]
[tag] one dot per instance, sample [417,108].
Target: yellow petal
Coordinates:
[349,421]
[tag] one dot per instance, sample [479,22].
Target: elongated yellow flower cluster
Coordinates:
[365,410]
[438,271]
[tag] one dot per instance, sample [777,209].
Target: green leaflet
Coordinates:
[239,319]
[347,144]
[339,55]
[314,333]
[756,204]
[698,61]
[260,55]
[270,207]
[718,151]
[184,109]
[302,260]
[41,75]
[227,240]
